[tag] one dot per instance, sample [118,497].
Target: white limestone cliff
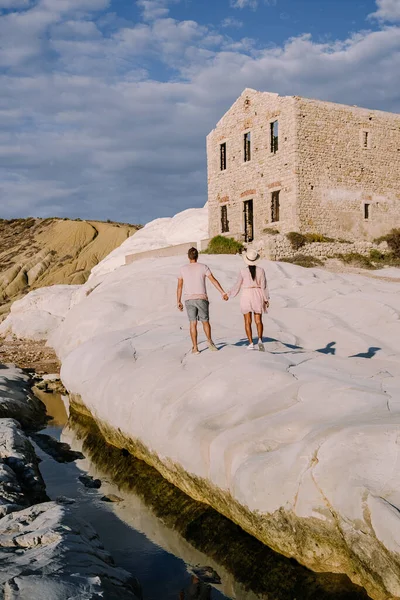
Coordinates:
[298,445]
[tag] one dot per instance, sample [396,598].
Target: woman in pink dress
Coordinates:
[254,298]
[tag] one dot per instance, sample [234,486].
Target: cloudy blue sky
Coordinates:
[105,104]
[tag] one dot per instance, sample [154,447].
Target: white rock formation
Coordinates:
[188,226]
[45,552]
[299,445]
[46,310]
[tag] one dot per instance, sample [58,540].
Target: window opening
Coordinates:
[365,139]
[224,219]
[275,206]
[274,137]
[247,147]
[222,152]
[366,211]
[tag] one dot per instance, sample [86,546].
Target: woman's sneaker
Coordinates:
[261,346]
[250,347]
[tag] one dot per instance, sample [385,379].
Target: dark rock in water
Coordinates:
[112,498]
[51,386]
[20,480]
[206,574]
[64,500]
[89,482]
[60,451]
[21,405]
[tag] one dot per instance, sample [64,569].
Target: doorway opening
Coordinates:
[248,221]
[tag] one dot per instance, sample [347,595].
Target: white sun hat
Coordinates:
[251,257]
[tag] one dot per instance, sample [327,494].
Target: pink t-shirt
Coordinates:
[194,281]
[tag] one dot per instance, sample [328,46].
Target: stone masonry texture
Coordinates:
[337,168]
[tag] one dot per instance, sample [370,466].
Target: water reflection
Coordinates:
[54,405]
[197,590]
[160,534]
[195,532]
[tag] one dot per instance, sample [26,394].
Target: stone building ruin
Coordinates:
[295,164]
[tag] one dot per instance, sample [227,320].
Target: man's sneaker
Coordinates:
[250,347]
[195,352]
[261,346]
[213,347]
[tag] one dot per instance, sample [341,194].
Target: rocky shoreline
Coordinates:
[298,446]
[45,551]
[32,355]
[253,569]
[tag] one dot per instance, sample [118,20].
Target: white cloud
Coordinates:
[89,128]
[14,4]
[231,22]
[63,6]
[388,10]
[155,9]
[251,3]
[244,3]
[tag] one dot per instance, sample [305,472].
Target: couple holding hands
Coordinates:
[254,297]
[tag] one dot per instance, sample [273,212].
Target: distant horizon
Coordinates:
[106,105]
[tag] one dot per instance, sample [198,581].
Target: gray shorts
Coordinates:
[197,310]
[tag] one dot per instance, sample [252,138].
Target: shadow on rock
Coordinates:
[258,568]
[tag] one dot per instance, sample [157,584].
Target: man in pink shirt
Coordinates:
[192,278]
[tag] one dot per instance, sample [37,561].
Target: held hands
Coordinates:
[180,306]
[225,297]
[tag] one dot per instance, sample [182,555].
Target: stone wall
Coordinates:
[332,160]
[276,247]
[337,175]
[264,173]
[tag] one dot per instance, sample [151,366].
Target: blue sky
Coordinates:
[105,104]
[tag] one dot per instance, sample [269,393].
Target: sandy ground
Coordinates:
[28,354]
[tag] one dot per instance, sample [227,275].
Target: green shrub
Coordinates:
[356,260]
[223,245]
[317,237]
[376,255]
[302,260]
[393,241]
[384,259]
[380,239]
[297,240]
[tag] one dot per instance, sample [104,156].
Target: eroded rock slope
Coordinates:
[40,252]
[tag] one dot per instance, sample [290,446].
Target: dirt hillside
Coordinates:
[40,252]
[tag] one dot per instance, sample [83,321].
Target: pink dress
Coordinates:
[255,293]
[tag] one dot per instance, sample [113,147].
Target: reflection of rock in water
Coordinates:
[89,482]
[258,568]
[197,590]
[54,406]
[60,451]
[206,575]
